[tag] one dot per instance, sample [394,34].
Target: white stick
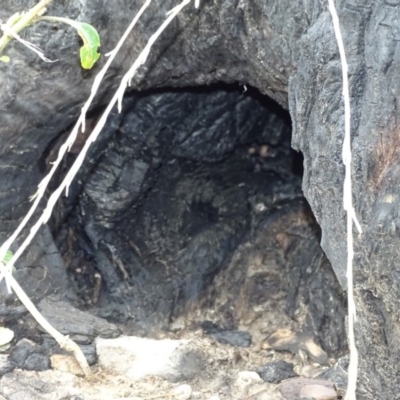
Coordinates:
[348,206]
[126,80]
[64,341]
[9,32]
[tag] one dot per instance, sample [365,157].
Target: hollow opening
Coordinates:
[189,214]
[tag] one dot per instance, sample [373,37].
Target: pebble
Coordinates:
[234,338]
[245,381]
[306,388]
[135,358]
[227,336]
[296,342]
[182,392]
[338,374]
[276,371]
[66,363]
[317,392]
[28,355]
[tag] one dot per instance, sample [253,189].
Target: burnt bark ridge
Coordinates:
[318,133]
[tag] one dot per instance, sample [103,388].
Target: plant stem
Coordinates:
[64,341]
[60,19]
[22,21]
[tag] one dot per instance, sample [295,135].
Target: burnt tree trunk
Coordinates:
[288,51]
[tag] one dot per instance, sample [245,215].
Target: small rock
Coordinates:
[227,336]
[42,385]
[285,339]
[338,374]
[291,389]
[28,355]
[37,362]
[245,381]
[135,357]
[234,338]
[20,387]
[276,371]
[317,392]
[80,326]
[246,378]
[182,392]
[66,363]
[250,386]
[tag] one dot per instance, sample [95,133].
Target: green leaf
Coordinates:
[6,335]
[89,53]
[9,255]
[91,41]
[5,59]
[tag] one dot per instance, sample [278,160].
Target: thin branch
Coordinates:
[348,206]
[64,341]
[10,32]
[20,21]
[126,80]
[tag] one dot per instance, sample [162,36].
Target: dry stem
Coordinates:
[348,206]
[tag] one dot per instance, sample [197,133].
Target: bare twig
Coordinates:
[348,206]
[64,341]
[10,32]
[20,21]
[126,80]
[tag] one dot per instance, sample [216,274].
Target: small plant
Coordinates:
[9,255]
[91,40]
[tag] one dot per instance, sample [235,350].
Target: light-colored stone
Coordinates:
[245,381]
[66,363]
[295,388]
[43,385]
[182,392]
[136,357]
[246,378]
[318,392]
